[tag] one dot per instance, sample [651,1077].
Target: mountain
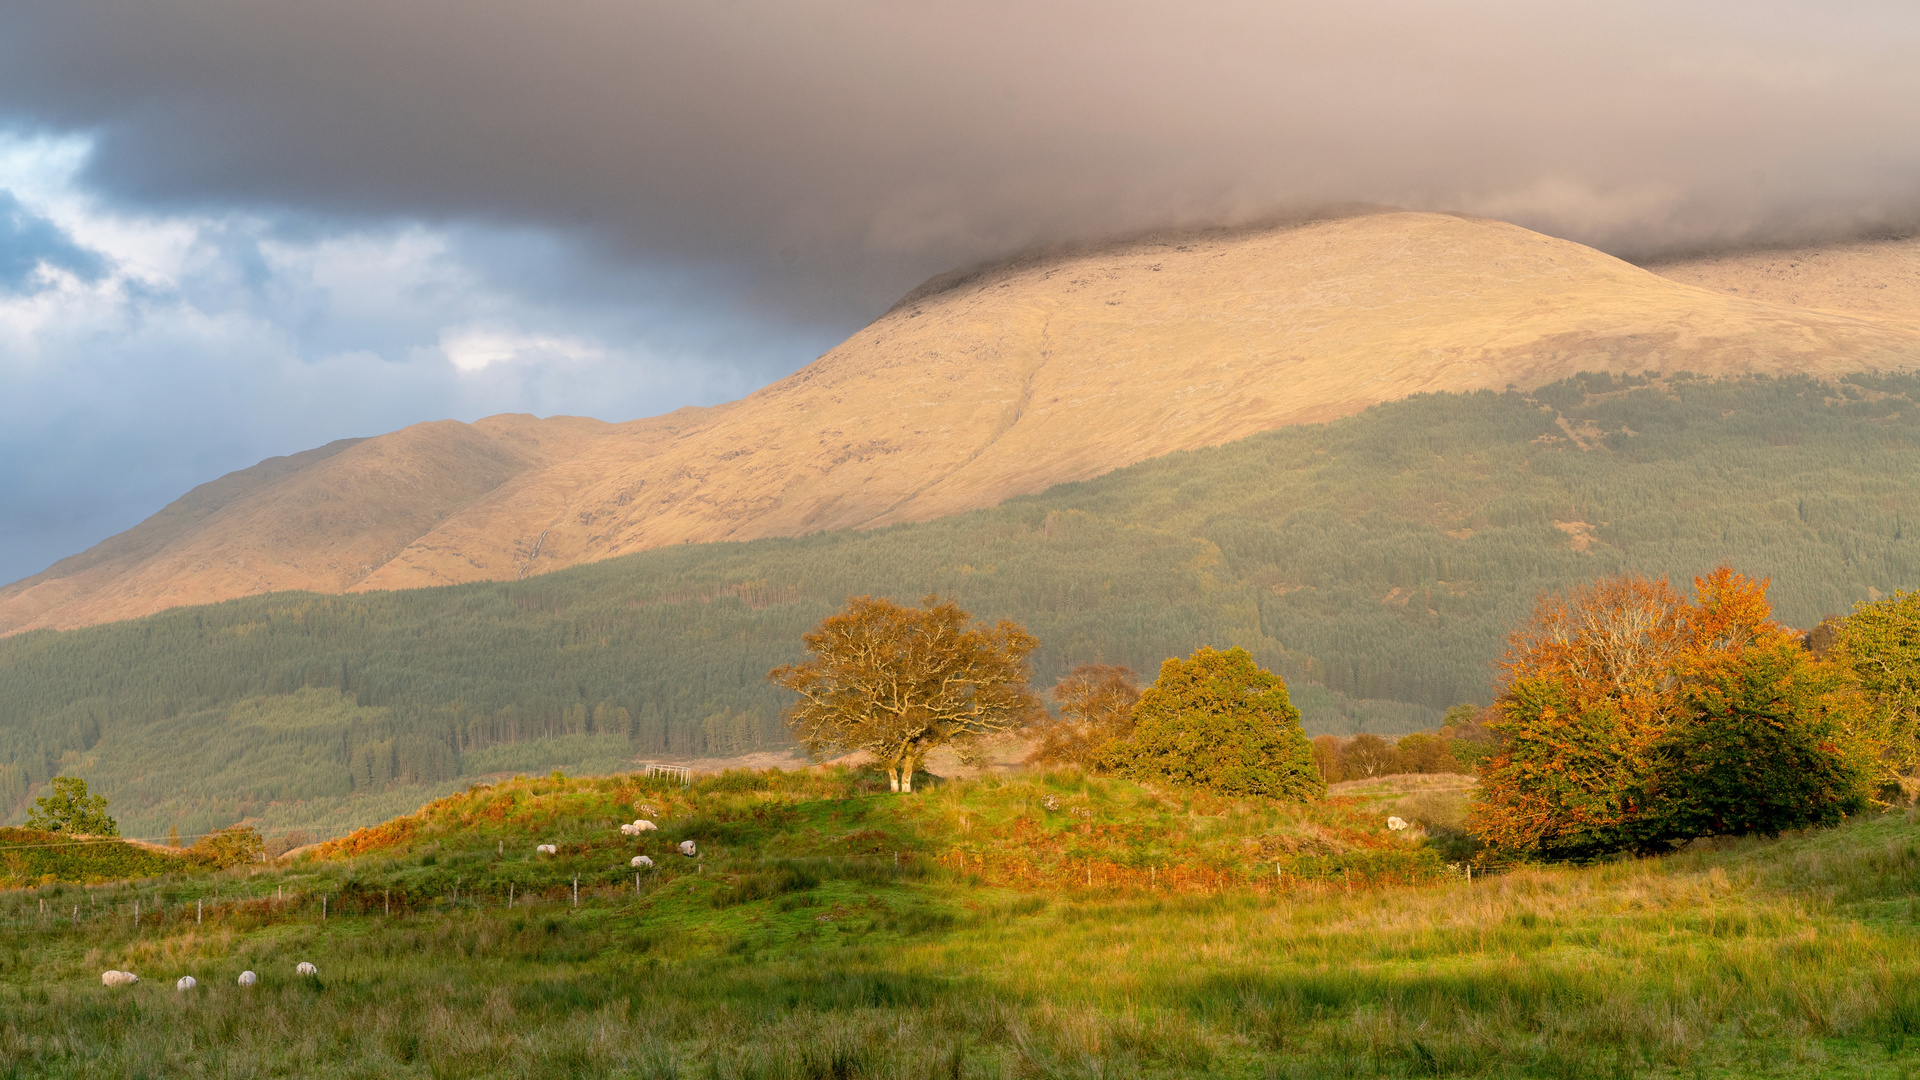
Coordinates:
[978,386]
[1376,562]
[1875,279]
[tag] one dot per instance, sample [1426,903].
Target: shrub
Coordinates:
[1218,721]
[233,846]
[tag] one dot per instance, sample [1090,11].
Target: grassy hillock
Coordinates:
[33,857]
[794,945]
[1376,563]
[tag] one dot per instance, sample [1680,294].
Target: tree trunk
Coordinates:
[906,782]
[893,775]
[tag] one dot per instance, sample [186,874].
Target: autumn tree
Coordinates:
[1217,720]
[898,682]
[1366,756]
[1096,708]
[1624,708]
[69,809]
[1326,758]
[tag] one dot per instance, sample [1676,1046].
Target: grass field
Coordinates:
[827,930]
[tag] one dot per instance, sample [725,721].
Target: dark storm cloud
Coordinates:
[833,152]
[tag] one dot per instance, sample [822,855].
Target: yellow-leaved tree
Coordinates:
[897,682]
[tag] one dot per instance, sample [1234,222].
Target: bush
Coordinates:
[234,846]
[1218,721]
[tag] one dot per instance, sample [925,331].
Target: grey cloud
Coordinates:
[828,155]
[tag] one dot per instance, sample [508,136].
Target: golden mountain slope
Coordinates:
[974,388]
[1879,279]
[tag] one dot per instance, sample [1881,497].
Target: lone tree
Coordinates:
[898,681]
[1217,720]
[69,809]
[1096,708]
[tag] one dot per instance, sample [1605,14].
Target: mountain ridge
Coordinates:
[979,385]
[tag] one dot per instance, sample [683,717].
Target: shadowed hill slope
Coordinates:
[977,387]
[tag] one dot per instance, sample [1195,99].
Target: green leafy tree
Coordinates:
[69,809]
[1216,720]
[1880,643]
[898,682]
[1761,743]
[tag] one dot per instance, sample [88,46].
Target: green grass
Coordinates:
[795,947]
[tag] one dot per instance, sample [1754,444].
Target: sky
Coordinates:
[231,230]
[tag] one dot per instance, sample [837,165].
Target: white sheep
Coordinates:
[686,848]
[1396,824]
[118,978]
[547,849]
[629,830]
[187,982]
[248,978]
[639,861]
[306,969]
[644,825]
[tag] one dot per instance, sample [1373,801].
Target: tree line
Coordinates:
[1628,717]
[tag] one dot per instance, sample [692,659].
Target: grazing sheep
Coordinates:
[187,982]
[248,978]
[547,849]
[306,969]
[644,825]
[629,830]
[640,860]
[118,978]
[1396,824]
[686,848]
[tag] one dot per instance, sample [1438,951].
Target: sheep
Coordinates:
[306,969]
[1396,824]
[118,978]
[629,830]
[547,849]
[248,978]
[644,825]
[187,982]
[686,848]
[639,861]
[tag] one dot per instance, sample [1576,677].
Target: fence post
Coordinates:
[323,909]
[199,912]
[576,890]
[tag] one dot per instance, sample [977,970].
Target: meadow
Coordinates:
[1026,926]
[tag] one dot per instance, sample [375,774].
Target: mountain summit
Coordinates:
[976,387]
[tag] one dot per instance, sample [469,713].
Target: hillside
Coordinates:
[1874,279]
[979,386]
[1376,562]
[1049,925]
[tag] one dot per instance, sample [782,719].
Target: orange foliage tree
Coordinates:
[897,682]
[1096,707]
[1629,718]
